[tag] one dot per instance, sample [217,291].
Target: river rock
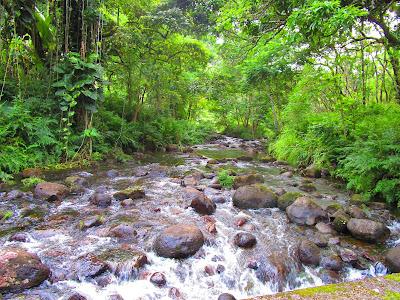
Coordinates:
[179,241]
[130,193]
[254,196]
[307,187]
[77,296]
[122,231]
[340,221]
[91,222]
[75,183]
[356,212]
[287,199]
[276,269]
[348,255]
[393,259]
[329,276]
[332,262]
[247,180]
[325,228]
[226,296]
[101,199]
[19,237]
[368,230]
[20,270]
[304,211]
[202,204]
[312,171]
[309,253]
[245,240]
[117,259]
[50,191]
[158,279]
[31,172]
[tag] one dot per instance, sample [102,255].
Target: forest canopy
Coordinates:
[319,80]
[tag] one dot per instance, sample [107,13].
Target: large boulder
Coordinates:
[309,253]
[254,196]
[179,241]
[287,199]
[50,191]
[247,180]
[368,230]
[304,211]
[20,270]
[393,259]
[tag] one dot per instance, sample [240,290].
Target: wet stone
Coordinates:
[20,270]
[245,240]
[101,199]
[332,262]
[226,296]
[158,279]
[179,241]
[19,237]
[77,297]
[309,253]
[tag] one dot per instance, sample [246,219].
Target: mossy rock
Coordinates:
[307,187]
[387,287]
[37,213]
[130,193]
[287,199]
[357,199]
[340,222]
[267,159]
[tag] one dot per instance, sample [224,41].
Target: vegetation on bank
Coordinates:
[319,79]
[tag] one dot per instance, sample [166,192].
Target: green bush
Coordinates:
[225,179]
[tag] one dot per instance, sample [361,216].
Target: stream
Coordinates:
[76,249]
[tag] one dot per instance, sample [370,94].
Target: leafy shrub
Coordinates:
[225,179]
[31,182]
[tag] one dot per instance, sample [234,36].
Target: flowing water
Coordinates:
[55,235]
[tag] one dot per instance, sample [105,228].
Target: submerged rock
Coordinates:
[304,211]
[245,240]
[50,191]
[247,180]
[20,270]
[179,241]
[254,196]
[368,230]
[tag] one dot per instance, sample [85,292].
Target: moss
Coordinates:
[325,289]
[395,277]
[31,182]
[390,295]
[287,199]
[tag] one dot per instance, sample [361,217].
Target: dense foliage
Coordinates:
[320,79]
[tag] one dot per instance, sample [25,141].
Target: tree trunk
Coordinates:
[396,71]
